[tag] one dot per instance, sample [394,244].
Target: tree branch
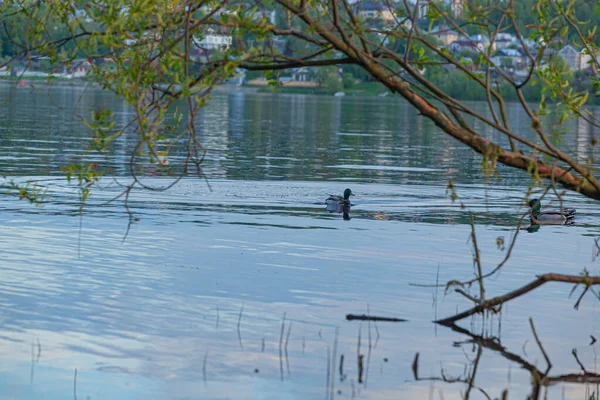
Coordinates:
[541,279]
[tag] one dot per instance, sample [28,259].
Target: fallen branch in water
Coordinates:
[541,279]
[363,317]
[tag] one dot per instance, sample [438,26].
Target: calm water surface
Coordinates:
[240,290]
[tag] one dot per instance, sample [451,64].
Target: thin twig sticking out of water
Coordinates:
[435,296]
[471,382]
[75,385]
[217,325]
[35,359]
[32,363]
[327,378]
[262,348]
[378,335]
[358,355]
[360,368]
[477,259]
[285,348]
[39,353]
[238,327]
[370,347]
[333,358]
[280,346]
[574,352]
[415,367]
[585,290]
[539,343]
[204,367]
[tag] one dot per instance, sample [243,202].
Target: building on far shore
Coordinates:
[444,34]
[374,10]
[587,62]
[301,74]
[213,40]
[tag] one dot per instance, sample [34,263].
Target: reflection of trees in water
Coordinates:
[540,379]
[46,124]
[583,141]
[295,136]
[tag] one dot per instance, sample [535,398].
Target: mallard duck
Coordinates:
[549,217]
[339,203]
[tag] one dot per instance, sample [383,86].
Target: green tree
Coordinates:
[333,83]
[348,80]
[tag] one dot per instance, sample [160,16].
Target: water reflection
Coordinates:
[585,137]
[540,379]
[163,314]
[255,136]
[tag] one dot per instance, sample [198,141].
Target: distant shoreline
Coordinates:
[366,89]
[372,89]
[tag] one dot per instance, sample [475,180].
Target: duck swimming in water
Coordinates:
[538,217]
[339,204]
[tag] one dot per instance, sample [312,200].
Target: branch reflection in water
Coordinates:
[539,379]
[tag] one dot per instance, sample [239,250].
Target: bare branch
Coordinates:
[541,279]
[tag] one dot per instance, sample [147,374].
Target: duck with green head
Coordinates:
[339,203]
[539,217]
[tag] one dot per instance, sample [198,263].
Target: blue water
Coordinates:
[191,304]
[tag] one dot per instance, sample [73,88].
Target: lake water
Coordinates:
[240,290]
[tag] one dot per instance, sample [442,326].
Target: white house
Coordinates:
[212,41]
[80,68]
[300,74]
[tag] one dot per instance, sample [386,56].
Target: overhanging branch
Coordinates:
[541,279]
[295,64]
